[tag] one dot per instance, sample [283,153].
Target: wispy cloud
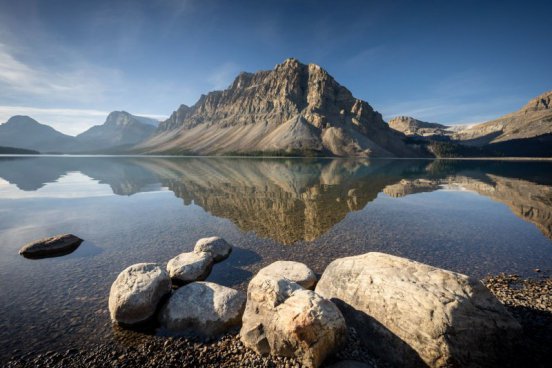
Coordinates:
[464,94]
[79,82]
[446,110]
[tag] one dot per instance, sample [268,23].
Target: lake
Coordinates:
[472,216]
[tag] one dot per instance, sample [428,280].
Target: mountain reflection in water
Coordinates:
[291,200]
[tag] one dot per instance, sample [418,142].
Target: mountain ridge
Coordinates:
[525,132]
[293,107]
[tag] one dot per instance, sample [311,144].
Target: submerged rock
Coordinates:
[282,318]
[203,308]
[136,292]
[218,247]
[50,247]
[189,267]
[293,271]
[412,314]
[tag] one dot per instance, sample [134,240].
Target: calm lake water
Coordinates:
[475,217]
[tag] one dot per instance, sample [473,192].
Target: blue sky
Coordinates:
[68,63]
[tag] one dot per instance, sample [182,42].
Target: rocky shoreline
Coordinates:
[529,301]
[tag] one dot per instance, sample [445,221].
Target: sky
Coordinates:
[69,63]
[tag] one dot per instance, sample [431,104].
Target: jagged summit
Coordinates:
[539,103]
[293,107]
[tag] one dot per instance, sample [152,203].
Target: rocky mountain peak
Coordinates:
[120,118]
[294,106]
[539,103]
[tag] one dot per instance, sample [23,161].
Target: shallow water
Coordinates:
[474,217]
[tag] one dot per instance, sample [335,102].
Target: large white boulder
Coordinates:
[189,267]
[412,314]
[282,318]
[136,292]
[293,271]
[218,247]
[203,308]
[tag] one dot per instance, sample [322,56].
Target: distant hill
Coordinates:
[294,109]
[526,132]
[119,129]
[24,132]
[17,151]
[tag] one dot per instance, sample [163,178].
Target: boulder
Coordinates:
[412,314]
[293,271]
[282,318]
[137,291]
[49,247]
[203,308]
[218,247]
[189,267]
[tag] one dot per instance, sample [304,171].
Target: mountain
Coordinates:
[413,127]
[16,151]
[526,132]
[24,132]
[120,129]
[532,120]
[292,109]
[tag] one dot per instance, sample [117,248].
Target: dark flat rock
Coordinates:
[54,246]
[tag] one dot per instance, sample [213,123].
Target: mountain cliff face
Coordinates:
[526,132]
[410,126]
[294,108]
[24,132]
[119,129]
[532,120]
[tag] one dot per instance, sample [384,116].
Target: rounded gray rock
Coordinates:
[136,292]
[190,266]
[203,308]
[293,271]
[217,246]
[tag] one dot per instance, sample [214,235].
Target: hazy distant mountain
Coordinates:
[292,109]
[16,151]
[24,132]
[526,132]
[119,129]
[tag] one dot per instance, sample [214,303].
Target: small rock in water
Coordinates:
[218,247]
[189,267]
[51,247]
[293,271]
